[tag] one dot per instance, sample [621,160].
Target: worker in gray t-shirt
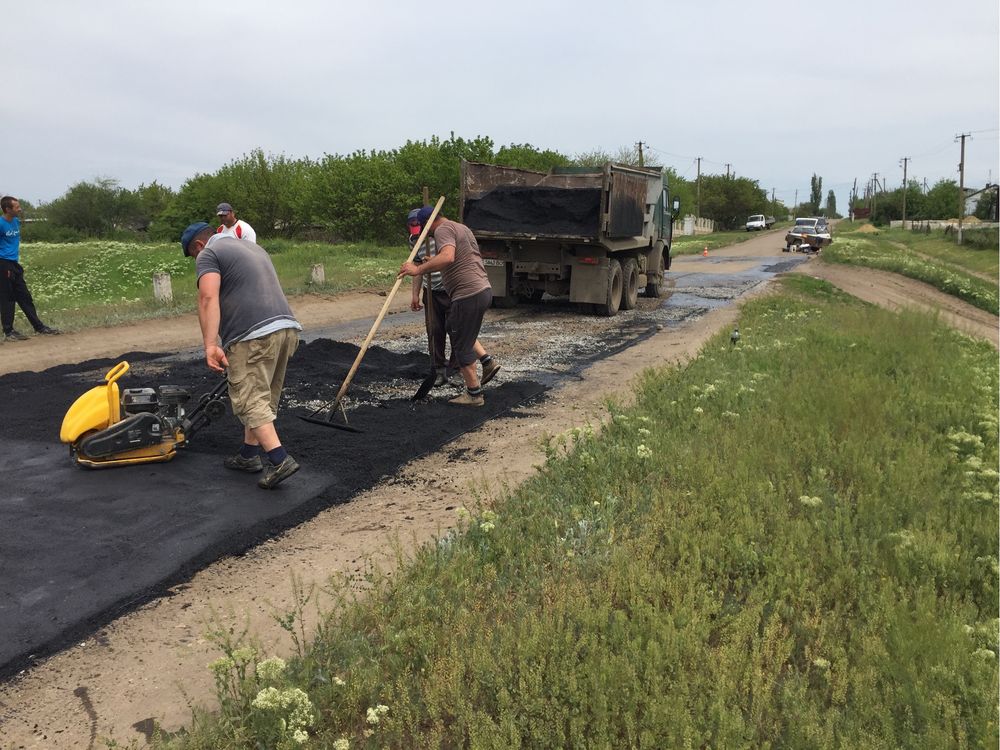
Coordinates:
[250,333]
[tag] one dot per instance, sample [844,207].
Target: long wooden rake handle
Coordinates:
[385,308]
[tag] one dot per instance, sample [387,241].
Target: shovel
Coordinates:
[332,407]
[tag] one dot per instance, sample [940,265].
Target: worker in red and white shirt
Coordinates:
[232,226]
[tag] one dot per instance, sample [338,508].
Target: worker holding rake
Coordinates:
[465,281]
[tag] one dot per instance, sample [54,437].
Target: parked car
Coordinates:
[758,222]
[809,234]
[818,223]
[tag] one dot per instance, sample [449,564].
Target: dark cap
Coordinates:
[190,233]
[424,214]
[223,208]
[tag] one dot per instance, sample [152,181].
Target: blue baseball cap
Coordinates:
[189,234]
[424,214]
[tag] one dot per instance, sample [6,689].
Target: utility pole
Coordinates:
[640,144]
[850,201]
[728,165]
[697,212]
[874,193]
[795,206]
[905,159]
[772,199]
[961,186]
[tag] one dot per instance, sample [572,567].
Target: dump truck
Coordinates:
[595,234]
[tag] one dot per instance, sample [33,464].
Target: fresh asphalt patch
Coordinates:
[79,547]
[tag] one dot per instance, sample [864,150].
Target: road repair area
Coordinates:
[173,545]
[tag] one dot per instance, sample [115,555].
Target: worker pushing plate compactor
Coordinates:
[110,427]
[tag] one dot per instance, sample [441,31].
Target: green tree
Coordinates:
[526,156]
[831,206]
[815,194]
[93,209]
[942,201]
[986,209]
[729,200]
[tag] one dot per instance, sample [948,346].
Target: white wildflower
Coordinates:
[811,502]
[271,669]
[643,452]
[821,663]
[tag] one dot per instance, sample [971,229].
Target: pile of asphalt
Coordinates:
[536,211]
[81,547]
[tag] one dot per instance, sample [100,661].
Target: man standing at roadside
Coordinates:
[13,290]
[250,333]
[468,287]
[232,226]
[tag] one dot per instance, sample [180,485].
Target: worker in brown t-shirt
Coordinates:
[465,280]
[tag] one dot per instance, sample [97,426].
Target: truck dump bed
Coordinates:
[582,204]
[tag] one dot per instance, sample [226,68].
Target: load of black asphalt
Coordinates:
[535,211]
[80,547]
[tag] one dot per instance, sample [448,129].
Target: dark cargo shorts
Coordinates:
[464,322]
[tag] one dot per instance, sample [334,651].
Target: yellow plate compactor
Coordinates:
[108,427]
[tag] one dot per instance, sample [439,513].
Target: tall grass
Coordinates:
[979,253]
[96,283]
[877,251]
[791,542]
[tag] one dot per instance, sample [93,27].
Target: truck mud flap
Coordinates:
[498,273]
[589,283]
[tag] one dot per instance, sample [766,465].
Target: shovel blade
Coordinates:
[425,387]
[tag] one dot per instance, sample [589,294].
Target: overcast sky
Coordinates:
[140,91]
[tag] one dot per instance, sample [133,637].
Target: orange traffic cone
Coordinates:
[705,251]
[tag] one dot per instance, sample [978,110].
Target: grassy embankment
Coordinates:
[790,542]
[933,259]
[96,283]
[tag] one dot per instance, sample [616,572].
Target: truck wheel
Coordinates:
[654,276]
[630,284]
[613,296]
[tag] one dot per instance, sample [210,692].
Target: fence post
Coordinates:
[317,275]
[162,291]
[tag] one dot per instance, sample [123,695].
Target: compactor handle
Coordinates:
[116,372]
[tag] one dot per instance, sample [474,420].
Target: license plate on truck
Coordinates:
[494,262]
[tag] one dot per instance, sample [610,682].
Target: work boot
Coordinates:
[440,379]
[489,371]
[13,335]
[278,473]
[467,399]
[238,463]
[48,331]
